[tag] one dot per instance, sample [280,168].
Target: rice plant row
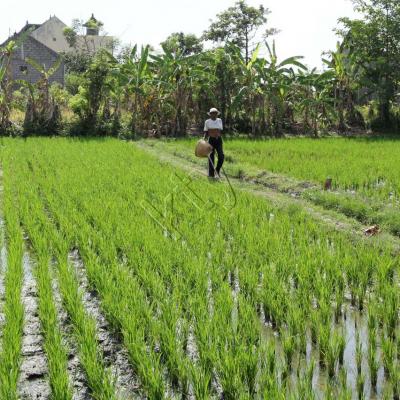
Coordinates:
[11,335]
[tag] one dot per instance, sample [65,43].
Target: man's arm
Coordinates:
[205,131]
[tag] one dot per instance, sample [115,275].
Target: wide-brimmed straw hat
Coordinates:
[213,110]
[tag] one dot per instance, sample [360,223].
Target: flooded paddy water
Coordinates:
[354,327]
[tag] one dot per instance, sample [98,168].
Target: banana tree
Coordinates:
[6,86]
[42,114]
[133,76]
[267,86]
[278,77]
[43,83]
[175,77]
[249,97]
[345,71]
[314,99]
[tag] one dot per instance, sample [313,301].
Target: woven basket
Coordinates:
[203,149]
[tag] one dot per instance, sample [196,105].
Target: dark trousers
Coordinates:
[216,143]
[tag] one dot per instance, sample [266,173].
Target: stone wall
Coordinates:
[31,48]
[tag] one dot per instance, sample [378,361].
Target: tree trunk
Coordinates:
[247,47]
[134,116]
[384,113]
[340,106]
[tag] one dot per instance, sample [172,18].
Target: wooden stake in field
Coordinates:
[328,184]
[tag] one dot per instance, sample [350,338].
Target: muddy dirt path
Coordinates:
[33,382]
[115,354]
[329,218]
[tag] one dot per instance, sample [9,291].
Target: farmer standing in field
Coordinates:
[212,130]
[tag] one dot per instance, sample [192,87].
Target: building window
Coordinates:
[23,69]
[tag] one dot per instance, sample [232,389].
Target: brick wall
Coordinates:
[33,49]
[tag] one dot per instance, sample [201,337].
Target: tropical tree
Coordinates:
[92,96]
[175,75]
[278,77]
[6,86]
[346,73]
[315,101]
[42,114]
[247,100]
[133,76]
[266,84]
[185,43]
[373,41]
[225,73]
[239,25]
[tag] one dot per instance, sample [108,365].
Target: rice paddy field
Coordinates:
[366,165]
[365,172]
[123,277]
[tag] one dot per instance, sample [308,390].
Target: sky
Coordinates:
[306,26]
